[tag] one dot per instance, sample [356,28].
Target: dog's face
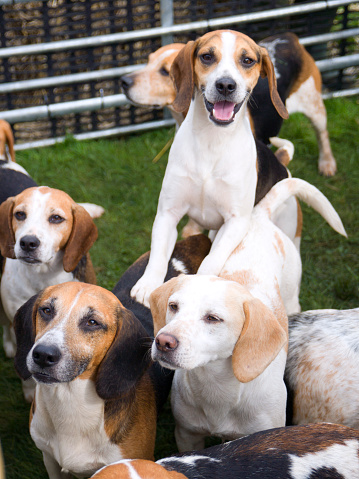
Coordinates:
[223,67]
[75,326]
[152,85]
[199,319]
[78,330]
[40,222]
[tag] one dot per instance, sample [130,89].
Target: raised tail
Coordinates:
[288,187]
[9,138]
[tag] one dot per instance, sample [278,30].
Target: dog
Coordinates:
[45,238]
[97,395]
[322,367]
[152,86]
[215,171]
[226,337]
[6,142]
[298,452]
[298,80]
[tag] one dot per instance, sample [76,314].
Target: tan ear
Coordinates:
[268,71]
[182,76]
[82,237]
[158,303]
[261,339]
[7,235]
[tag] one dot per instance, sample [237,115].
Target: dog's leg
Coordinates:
[187,440]
[53,468]
[308,100]
[9,341]
[164,236]
[227,239]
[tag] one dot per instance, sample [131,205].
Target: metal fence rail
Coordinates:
[72,84]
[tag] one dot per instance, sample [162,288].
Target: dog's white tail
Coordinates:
[288,187]
[285,150]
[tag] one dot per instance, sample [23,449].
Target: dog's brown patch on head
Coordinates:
[58,203]
[86,315]
[144,470]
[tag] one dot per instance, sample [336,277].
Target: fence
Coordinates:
[60,60]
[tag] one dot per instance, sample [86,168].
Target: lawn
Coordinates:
[119,175]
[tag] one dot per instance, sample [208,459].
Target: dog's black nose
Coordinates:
[46,356]
[126,82]
[166,342]
[29,243]
[225,86]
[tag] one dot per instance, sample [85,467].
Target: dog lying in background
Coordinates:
[230,381]
[298,80]
[6,142]
[300,452]
[216,171]
[97,394]
[322,371]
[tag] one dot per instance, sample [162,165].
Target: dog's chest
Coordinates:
[20,281]
[68,424]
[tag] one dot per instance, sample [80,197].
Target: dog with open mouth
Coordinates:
[216,170]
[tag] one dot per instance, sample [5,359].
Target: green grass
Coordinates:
[119,175]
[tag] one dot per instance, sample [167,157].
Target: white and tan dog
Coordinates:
[227,337]
[45,238]
[214,165]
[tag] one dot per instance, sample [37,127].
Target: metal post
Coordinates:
[166,21]
[166,7]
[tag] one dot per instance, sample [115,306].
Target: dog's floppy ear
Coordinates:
[82,237]
[267,70]
[7,235]
[182,75]
[158,303]
[126,360]
[25,332]
[261,339]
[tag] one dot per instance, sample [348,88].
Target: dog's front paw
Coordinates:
[142,290]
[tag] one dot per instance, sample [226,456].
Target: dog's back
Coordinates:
[322,371]
[186,258]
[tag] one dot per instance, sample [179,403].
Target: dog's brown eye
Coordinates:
[46,312]
[207,58]
[20,215]
[164,72]
[211,318]
[246,61]
[92,322]
[56,219]
[173,307]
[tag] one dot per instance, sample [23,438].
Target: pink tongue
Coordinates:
[223,110]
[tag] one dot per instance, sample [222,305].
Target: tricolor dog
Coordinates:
[98,393]
[300,452]
[45,238]
[226,337]
[215,170]
[322,371]
[298,81]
